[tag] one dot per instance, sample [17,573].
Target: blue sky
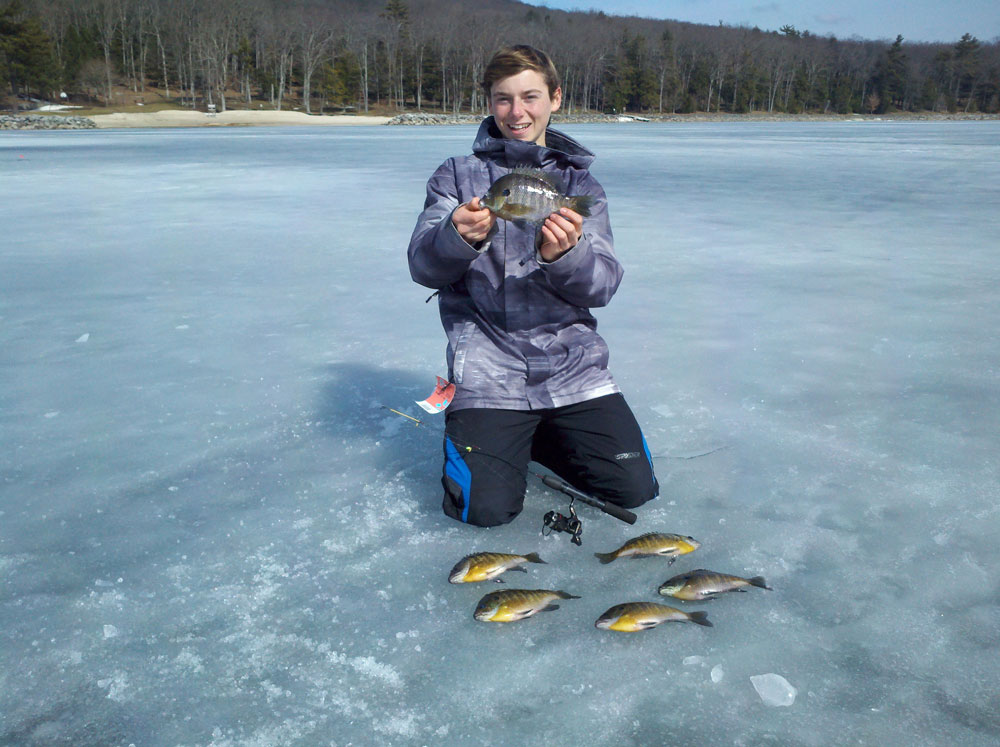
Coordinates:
[916,20]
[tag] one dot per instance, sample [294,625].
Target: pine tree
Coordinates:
[891,77]
[27,59]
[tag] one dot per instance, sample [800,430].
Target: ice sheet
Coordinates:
[213,533]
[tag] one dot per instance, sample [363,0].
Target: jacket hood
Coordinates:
[559,149]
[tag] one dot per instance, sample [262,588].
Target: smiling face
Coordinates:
[521,106]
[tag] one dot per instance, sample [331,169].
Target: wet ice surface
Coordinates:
[211,533]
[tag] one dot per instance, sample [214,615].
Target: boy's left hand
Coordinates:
[560,232]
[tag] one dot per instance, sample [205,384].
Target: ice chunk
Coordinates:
[718,673]
[110,631]
[84,337]
[690,661]
[774,689]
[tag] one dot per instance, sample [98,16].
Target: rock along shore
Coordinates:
[39,122]
[429,118]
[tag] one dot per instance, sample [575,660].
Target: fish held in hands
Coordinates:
[701,584]
[529,195]
[511,605]
[486,566]
[632,617]
[654,543]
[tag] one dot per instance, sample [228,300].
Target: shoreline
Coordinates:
[178,118]
[230,118]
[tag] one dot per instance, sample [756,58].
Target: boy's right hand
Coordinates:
[473,222]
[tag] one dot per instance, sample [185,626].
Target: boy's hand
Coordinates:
[560,232]
[472,221]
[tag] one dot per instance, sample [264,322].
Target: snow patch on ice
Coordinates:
[774,689]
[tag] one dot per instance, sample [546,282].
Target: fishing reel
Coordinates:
[571,524]
[556,522]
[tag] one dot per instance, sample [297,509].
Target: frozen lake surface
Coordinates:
[212,533]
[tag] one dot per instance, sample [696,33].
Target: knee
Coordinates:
[480,507]
[489,516]
[634,489]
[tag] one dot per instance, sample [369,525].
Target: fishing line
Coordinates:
[468,448]
[690,456]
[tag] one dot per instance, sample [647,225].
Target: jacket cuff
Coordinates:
[566,264]
[455,246]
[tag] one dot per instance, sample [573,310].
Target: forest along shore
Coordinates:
[245,118]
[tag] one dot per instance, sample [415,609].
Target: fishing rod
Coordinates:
[552,521]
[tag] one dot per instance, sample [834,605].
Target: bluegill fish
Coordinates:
[511,605]
[702,584]
[528,195]
[486,566]
[634,616]
[666,545]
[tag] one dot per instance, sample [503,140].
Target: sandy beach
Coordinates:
[181,118]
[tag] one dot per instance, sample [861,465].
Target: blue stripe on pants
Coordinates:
[456,468]
[649,457]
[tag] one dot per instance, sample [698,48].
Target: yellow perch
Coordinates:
[701,584]
[486,566]
[634,616]
[511,605]
[666,545]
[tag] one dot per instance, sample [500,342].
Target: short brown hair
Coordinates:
[510,61]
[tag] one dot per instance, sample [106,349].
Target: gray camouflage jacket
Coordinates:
[520,335]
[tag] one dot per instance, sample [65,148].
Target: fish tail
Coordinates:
[564,595]
[532,557]
[701,618]
[581,204]
[605,557]
[759,582]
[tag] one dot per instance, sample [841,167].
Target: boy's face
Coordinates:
[521,106]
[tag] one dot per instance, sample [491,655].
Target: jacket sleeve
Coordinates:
[588,274]
[438,255]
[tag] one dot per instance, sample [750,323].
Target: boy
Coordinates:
[529,367]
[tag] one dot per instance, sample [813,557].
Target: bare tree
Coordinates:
[104,16]
[315,35]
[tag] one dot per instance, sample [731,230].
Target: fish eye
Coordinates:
[506,193]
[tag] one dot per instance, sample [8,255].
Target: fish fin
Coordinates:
[549,608]
[701,618]
[581,204]
[532,557]
[518,568]
[564,595]
[647,624]
[605,557]
[499,581]
[553,180]
[759,582]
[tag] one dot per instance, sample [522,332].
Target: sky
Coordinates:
[916,20]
